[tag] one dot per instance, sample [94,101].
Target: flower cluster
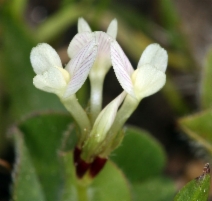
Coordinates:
[91,55]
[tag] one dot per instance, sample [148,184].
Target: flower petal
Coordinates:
[78,42]
[154,55]
[43,57]
[147,81]
[122,67]
[103,61]
[113,29]
[83,26]
[80,66]
[50,81]
[106,118]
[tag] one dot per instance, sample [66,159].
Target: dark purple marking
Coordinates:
[97,166]
[81,168]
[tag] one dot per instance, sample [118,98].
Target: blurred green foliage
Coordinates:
[154,189]
[147,164]
[43,137]
[206,95]
[24,173]
[37,160]
[199,127]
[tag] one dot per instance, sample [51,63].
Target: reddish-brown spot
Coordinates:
[97,166]
[81,168]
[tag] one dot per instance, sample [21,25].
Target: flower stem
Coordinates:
[82,193]
[96,97]
[128,107]
[79,114]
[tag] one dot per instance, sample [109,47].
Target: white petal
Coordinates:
[78,42]
[103,60]
[83,26]
[43,57]
[122,67]
[147,81]
[113,28]
[154,55]
[80,66]
[50,81]
[106,118]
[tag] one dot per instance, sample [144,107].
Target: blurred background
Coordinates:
[182,27]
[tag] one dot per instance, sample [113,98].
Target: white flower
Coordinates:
[52,77]
[103,61]
[148,78]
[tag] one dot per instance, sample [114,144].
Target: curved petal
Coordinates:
[154,55]
[83,26]
[106,118]
[50,81]
[80,66]
[103,61]
[43,57]
[147,81]
[113,29]
[78,42]
[122,67]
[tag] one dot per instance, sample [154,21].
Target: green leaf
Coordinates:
[154,189]
[199,127]
[109,185]
[206,95]
[197,189]
[140,156]
[43,135]
[26,185]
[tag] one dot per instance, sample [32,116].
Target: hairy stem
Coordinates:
[79,115]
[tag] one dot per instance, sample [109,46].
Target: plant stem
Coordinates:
[79,114]
[128,107]
[96,97]
[82,193]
